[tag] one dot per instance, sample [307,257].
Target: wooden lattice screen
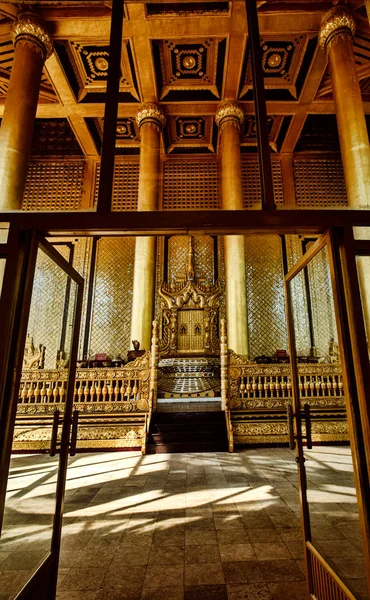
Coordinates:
[252,187]
[319,182]
[191,184]
[54,185]
[125,186]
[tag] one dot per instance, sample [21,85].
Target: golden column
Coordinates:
[336,37]
[33,45]
[151,120]
[229,117]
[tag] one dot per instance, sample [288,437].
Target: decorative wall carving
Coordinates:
[192,295]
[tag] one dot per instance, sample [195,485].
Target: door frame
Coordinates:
[15,302]
[320,575]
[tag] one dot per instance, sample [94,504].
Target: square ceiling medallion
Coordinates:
[86,66]
[127,134]
[248,137]
[47,93]
[189,70]
[188,135]
[282,60]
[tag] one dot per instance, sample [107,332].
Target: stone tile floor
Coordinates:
[181,526]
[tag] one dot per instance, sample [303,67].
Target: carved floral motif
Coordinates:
[339,19]
[30,29]
[229,111]
[151,113]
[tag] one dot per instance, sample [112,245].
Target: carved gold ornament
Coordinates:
[101,63]
[28,28]
[339,19]
[274,60]
[151,113]
[229,111]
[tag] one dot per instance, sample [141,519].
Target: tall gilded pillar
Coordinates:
[229,118]
[32,45]
[151,120]
[336,37]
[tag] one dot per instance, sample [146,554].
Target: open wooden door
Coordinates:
[332,477]
[40,287]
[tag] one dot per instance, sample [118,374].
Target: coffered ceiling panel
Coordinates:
[285,60]
[187,135]
[190,69]
[127,135]
[277,126]
[86,66]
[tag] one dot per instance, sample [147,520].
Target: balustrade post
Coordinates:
[154,367]
[224,365]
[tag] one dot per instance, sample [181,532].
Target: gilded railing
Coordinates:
[125,389]
[254,386]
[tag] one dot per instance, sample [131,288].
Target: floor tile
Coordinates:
[250,591]
[202,554]
[81,579]
[197,574]
[236,552]
[161,593]
[281,570]
[294,590]
[164,576]
[205,592]
[242,572]
[118,576]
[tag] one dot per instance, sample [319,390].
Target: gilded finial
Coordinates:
[190,269]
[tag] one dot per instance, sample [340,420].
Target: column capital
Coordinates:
[30,29]
[229,111]
[338,20]
[152,114]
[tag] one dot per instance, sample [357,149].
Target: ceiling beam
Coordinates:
[198,222]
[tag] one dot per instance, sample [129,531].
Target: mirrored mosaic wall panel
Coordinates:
[46,313]
[314,286]
[112,298]
[265,295]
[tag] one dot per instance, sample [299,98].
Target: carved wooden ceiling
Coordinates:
[188,56]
